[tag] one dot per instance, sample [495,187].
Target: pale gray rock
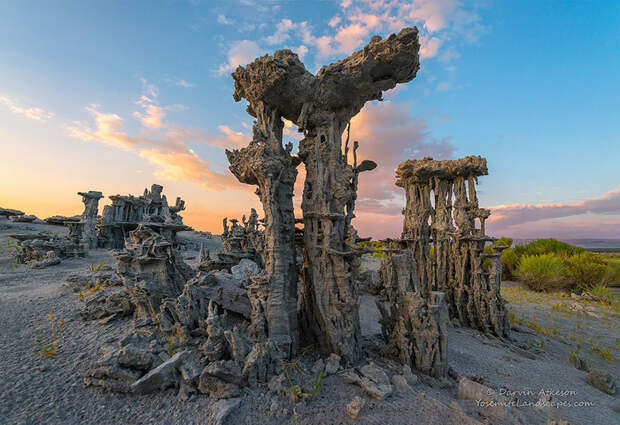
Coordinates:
[415,328]
[400,383]
[226,370]
[88,222]
[222,409]
[135,357]
[245,267]
[332,364]
[105,303]
[602,381]
[321,106]
[472,292]
[355,406]
[372,379]
[163,376]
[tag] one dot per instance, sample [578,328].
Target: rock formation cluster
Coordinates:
[321,106]
[151,209]
[441,209]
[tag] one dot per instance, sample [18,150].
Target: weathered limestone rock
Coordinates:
[107,302]
[40,250]
[90,234]
[151,209]
[269,165]
[602,381]
[472,293]
[61,220]
[22,218]
[321,106]
[245,266]
[354,407]
[415,328]
[151,270]
[372,379]
[163,376]
[222,409]
[7,212]
[238,243]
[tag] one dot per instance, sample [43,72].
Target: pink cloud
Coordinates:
[504,216]
[388,135]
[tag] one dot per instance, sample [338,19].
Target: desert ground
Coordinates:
[548,333]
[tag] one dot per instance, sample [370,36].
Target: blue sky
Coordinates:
[116,95]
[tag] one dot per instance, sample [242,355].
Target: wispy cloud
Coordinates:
[162,143]
[509,215]
[32,112]
[240,53]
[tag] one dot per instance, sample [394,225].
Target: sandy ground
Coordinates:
[36,388]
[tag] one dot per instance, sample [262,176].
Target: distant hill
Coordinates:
[590,244]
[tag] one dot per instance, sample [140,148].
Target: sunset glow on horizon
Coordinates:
[115,97]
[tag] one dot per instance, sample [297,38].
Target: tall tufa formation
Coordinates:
[88,221]
[321,106]
[414,327]
[442,208]
[266,163]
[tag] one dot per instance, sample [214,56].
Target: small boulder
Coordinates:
[163,376]
[602,381]
[226,370]
[332,365]
[373,380]
[222,409]
[245,266]
[354,407]
[135,357]
[400,383]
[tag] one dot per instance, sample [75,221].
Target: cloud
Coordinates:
[222,19]
[108,129]
[153,114]
[388,135]
[240,53]
[429,47]
[183,83]
[163,144]
[185,165]
[282,32]
[510,215]
[32,112]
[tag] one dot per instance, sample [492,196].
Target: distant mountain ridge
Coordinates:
[594,243]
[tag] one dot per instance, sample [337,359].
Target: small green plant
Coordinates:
[544,272]
[94,268]
[300,391]
[603,352]
[98,286]
[51,345]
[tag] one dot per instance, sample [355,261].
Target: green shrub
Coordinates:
[612,273]
[604,293]
[504,241]
[510,260]
[543,272]
[548,246]
[586,270]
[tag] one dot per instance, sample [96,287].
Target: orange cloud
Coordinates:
[32,112]
[163,144]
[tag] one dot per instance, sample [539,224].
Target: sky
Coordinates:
[115,95]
